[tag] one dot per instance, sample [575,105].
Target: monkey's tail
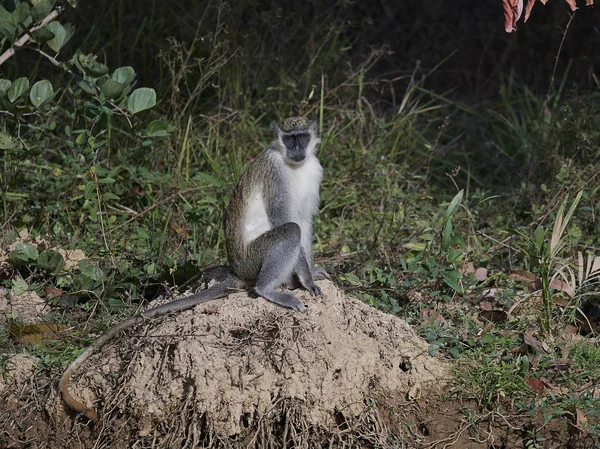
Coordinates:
[218,291]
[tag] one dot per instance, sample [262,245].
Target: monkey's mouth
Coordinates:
[299,157]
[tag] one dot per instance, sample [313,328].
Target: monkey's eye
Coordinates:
[288,141]
[303,139]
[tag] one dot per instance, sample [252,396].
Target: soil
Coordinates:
[241,372]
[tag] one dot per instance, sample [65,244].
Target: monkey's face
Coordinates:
[296,146]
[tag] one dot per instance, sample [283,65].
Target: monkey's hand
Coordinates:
[319,273]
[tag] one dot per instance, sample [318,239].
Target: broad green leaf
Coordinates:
[23,254]
[454,203]
[41,92]
[42,35]
[19,286]
[141,99]
[90,271]
[62,34]
[7,27]
[18,88]
[124,75]
[158,128]
[106,180]
[451,278]
[6,142]
[4,86]
[21,14]
[50,261]
[41,8]
[111,88]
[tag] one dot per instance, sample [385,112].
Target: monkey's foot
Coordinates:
[283,299]
[315,290]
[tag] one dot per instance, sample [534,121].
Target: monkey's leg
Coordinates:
[280,251]
[305,275]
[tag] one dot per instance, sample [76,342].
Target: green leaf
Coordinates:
[124,75]
[4,86]
[89,65]
[454,203]
[209,179]
[7,27]
[41,8]
[447,236]
[89,276]
[451,278]
[41,92]
[158,128]
[42,35]
[62,34]
[23,254]
[106,180]
[19,286]
[18,88]
[111,88]
[50,261]
[415,246]
[141,99]
[351,278]
[6,142]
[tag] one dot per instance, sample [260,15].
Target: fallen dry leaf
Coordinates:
[580,419]
[562,286]
[533,342]
[35,333]
[467,268]
[521,276]
[53,292]
[560,301]
[431,315]
[494,315]
[535,384]
[489,294]
[486,305]
[559,364]
[481,274]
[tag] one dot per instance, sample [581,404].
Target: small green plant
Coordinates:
[544,254]
[439,257]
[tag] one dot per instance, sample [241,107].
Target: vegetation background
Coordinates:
[454,157]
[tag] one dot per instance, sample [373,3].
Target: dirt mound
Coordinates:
[240,372]
[241,364]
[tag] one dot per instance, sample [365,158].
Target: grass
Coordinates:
[148,213]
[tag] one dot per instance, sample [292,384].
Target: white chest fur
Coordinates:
[303,187]
[303,200]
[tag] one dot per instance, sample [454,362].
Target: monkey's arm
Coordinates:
[218,291]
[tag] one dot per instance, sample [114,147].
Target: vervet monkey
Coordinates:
[268,231]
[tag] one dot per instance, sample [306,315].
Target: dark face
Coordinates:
[296,144]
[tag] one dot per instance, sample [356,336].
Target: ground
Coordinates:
[241,372]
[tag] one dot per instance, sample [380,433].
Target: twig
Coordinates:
[25,38]
[148,209]
[562,41]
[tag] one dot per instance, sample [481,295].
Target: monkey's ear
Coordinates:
[274,126]
[314,127]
